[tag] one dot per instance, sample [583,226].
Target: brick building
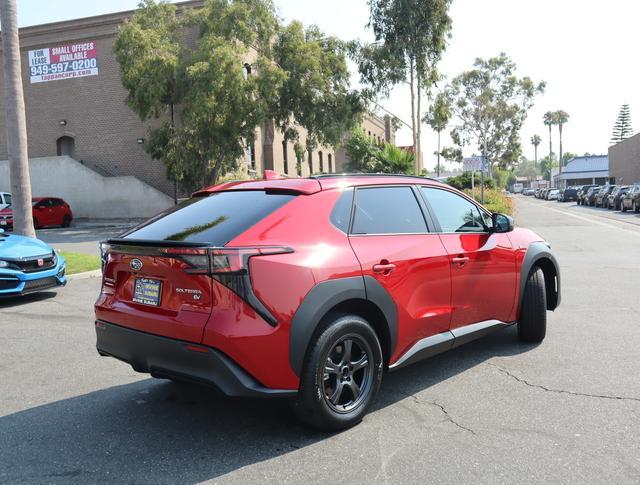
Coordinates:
[81,111]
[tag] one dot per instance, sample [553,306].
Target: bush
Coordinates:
[494,200]
[463,181]
[366,156]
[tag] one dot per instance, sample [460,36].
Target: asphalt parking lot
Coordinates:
[494,411]
[84,236]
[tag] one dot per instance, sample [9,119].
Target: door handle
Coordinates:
[383,267]
[460,260]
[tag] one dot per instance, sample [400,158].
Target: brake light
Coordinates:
[221,261]
[230,267]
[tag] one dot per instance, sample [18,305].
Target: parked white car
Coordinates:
[553,194]
[5,200]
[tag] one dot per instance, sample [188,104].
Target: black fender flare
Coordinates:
[540,254]
[326,295]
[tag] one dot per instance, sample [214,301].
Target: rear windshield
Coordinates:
[215,219]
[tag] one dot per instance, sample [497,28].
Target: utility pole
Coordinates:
[16,121]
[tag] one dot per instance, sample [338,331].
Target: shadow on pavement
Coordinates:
[17,301]
[161,432]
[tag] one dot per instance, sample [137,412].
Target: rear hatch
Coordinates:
[160,277]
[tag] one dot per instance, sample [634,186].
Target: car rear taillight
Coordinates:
[230,267]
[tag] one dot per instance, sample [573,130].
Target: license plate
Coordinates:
[147,291]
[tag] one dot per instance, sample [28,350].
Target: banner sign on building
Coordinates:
[63,62]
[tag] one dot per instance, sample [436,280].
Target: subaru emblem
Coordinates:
[136,264]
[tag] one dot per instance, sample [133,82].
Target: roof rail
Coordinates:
[358,174]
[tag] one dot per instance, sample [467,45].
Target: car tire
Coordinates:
[66,221]
[532,325]
[340,398]
[635,207]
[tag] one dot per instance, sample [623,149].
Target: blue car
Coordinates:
[28,265]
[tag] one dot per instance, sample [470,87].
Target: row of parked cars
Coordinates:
[546,194]
[615,197]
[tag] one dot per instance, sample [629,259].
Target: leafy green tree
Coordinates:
[410,38]
[535,141]
[622,129]
[491,104]
[438,118]
[547,164]
[193,63]
[362,153]
[527,168]
[561,117]
[567,157]
[315,92]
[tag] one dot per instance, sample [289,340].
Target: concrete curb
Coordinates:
[96,273]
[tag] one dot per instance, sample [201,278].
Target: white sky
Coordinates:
[586,51]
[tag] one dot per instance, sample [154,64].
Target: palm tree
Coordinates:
[550,120]
[561,118]
[16,121]
[535,141]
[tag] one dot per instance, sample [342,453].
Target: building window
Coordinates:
[65,145]
[252,156]
[321,161]
[310,161]
[330,160]
[285,157]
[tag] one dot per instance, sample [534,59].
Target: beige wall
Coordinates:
[624,160]
[88,193]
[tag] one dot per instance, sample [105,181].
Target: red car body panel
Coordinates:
[483,278]
[434,286]
[420,283]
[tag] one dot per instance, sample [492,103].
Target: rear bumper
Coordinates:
[176,359]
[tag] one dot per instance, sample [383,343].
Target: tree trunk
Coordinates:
[419,124]
[550,153]
[413,114]
[16,121]
[438,165]
[535,156]
[560,148]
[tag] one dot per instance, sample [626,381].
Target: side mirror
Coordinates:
[502,222]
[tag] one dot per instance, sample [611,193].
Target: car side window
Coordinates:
[454,213]
[387,210]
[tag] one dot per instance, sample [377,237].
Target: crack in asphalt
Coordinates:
[444,411]
[562,391]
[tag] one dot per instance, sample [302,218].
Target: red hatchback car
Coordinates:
[313,288]
[47,211]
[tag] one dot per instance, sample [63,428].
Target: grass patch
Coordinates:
[79,263]
[495,200]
